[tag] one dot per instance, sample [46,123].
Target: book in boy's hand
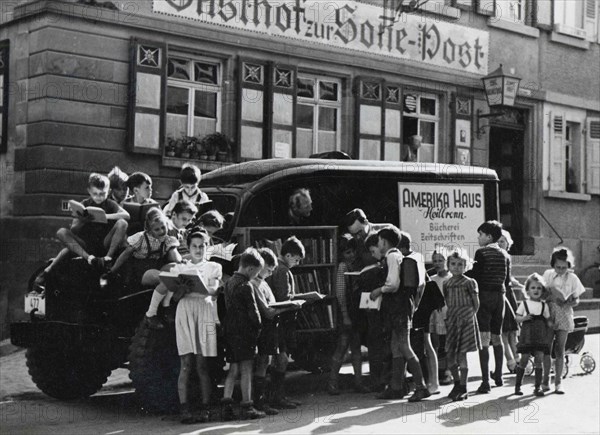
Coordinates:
[366,303]
[95,214]
[309,297]
[186,281]
[137,212]
[363,270]
[287,304]
[222,250]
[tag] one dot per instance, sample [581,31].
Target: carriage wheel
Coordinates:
[566,366]
[587,363]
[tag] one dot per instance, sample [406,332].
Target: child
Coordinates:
[152,249]
[461,295]
[534,316]
[492,273]
[510,328]
[267,340]
[404,277]
[189,177]
[195,325]
[282,284]
[348,333]
[242,328]
[212,221]
[140,186]
[97,243]
[437,321]
[182,217]
[565,289]
[118,185]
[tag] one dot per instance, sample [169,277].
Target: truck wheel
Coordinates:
[65,373]
[154,368]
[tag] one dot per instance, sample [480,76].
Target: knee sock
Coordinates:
[154,303]
[357,366]
[415,369]
[520,372]
[455,372]
[484,359]
[464,376]
[538,376]
[498,359]
[398,370]
[336,365]
[167,299]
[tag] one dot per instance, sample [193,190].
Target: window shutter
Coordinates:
[283,111]
[593,155]
[591,13]
[486,7]
[370,125]
[4,94]
[252,110]
[147,97]
[557,151]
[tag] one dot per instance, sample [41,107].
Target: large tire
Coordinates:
[67,373]
[154,368]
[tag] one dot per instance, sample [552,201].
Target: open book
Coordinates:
[287,304]
[137,212]
[98,215]
[222,250]
[363,270]
[308,297]
[192,280]
[367,304]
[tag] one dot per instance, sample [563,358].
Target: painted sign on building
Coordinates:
[346,25]
[441,215]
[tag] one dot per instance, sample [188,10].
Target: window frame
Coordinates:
[522,8]
[316,102]
[436,119]
[4,93]
[559,21]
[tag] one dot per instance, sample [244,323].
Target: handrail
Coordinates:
[549,224]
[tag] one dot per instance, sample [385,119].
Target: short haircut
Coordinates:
[391,234]
[190,174]
[294,247]
[535,277]
[197,233]
[117,178]
[459,254]
[564,254]
[212,218]
[355,215]
[405,240]
[294,201]
[371,240]
[347,242]
[509,239]
[491,228]
[268,257]
[137,179]
[98,181]
[443,251]
[185,206]
[153,215]
[251,258]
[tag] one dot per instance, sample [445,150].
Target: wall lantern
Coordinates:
[501,91]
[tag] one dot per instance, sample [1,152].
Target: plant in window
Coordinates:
[217,145]
[170,147]
[188,146]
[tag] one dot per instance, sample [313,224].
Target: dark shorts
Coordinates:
[268,340]
[491,312]
[286,334]
[240,348]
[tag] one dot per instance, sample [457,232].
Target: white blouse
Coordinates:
[567,285]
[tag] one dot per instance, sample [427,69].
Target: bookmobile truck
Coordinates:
[79,331]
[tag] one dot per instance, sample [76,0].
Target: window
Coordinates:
[512,10]
[193,97]
[318,115]
[4,94]
[573,157]
[421,118]
[569,13]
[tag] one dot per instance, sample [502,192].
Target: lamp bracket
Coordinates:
[480,129]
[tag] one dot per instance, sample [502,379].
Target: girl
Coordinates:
[437,325]
[564,291]
[195,324]
[462,300]
[510,328]
[534,315]
[348,333]
[151,250]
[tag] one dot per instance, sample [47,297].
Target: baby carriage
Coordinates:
[574,344]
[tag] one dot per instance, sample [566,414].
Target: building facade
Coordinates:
[138,84]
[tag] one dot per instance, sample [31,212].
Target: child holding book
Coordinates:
[564,288]
[182,218]
[118,185]
[195,325]
[189,178]
[140,186]
[437,321]
[462,300]
[282,284]
[97,243]
[242,327]
[212,221]
[348,333]
[534,316]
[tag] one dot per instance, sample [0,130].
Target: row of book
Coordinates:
[318,250]
[312,281]
[315,316]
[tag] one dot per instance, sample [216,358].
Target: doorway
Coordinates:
[506,158]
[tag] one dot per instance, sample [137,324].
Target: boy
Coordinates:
[282,283]
[88,239]
[189,178]
[404,277]
[268,338]
[492,273]
[118,185]
[182,216]
[140,186]
[242,327]
[212,221]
